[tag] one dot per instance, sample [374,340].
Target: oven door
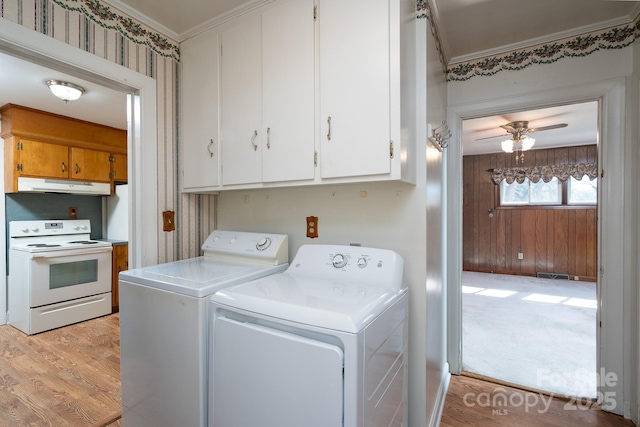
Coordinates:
[68,274]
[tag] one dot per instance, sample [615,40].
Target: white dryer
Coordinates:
[164,325]
[322,344]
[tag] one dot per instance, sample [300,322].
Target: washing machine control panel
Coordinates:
[260,247]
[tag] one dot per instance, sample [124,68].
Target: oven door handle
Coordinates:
[71,252]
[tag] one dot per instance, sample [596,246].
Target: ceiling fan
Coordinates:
[520,140]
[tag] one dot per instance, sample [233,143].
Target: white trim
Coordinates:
[142,146]
[436,416]
[610,213]
[550,38]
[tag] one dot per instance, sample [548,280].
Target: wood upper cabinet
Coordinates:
[119,171]
[90,165]
[40,159]
[44,145]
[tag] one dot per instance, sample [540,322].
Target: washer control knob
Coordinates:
[263,243]
[362,262]
[339,260]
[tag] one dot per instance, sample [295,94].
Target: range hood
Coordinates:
[43,185]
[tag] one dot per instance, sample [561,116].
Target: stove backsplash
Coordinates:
[27,206]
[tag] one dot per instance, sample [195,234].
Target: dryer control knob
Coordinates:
[339,260]
[263,243]
[362,262]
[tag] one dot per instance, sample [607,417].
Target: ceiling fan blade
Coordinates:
[558,126]
[495,136]
[508,128]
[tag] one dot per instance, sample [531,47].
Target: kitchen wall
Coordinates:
[552,240]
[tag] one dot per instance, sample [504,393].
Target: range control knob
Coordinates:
[339,260]
[362,262]
[263,243]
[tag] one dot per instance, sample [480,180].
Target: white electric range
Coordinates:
[58,275]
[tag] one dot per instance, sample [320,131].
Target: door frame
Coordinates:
[611,142]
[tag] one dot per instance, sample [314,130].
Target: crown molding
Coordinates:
[143,19]
[550,38]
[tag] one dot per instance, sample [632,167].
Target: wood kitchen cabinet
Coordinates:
[119,171]
[120,262]
[267,96]
[45,145]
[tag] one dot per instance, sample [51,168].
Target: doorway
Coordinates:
[610,95]
[529,248]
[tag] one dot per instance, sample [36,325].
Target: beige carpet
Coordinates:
[539,333]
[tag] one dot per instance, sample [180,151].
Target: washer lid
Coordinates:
[338,305]
[198,277]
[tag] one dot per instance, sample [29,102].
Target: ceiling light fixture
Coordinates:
[65,90]
[519,144]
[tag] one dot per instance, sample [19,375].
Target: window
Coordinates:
[582,192]
[531,193]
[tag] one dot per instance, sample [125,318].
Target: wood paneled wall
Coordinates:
[553,240]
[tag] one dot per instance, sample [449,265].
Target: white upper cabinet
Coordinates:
[354,87]
[199,119]
[267,108]
[241,102]
[288,91]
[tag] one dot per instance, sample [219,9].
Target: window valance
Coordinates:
[546,173]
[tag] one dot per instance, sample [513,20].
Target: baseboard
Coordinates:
[436,416]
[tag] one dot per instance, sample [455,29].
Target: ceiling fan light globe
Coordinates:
[527,143]
[507,146]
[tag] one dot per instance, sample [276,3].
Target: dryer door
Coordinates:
[263,377]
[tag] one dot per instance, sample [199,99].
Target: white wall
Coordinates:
[604,75]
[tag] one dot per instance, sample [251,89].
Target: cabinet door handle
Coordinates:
[77,168]
[64,167]
[329,125]
[253,139]
[209,148]
[268,138]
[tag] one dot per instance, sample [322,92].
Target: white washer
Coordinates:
[322,344]
[164,325]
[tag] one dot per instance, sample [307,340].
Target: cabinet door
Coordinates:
[119,168]
[354,87]
[241,104]
[90,165]
[120,263]
[288,92]
[200,143]
[42,159]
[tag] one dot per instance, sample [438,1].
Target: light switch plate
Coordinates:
[168,221]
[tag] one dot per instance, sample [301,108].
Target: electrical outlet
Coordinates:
[520,255]
[73,213]
[168,221]
[312,227]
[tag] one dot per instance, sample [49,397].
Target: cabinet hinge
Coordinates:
[19,167]
[20,146]
[315,159]
[315,13]
[391,149]
[112,159]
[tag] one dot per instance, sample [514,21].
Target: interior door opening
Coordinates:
[529,293]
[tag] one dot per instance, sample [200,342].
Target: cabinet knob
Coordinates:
[209,148]
[253,139]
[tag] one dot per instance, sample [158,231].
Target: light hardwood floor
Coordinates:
[65,377]
[71,377]
[478,403]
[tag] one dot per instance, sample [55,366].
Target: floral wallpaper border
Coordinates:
[104,16]
[583,45]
